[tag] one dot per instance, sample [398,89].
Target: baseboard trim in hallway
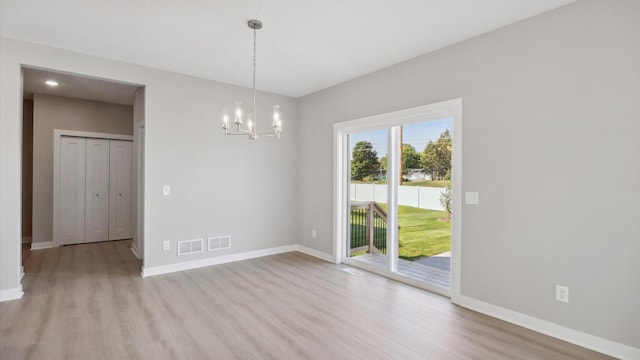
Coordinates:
[42,245]
[11,294]
[135,250]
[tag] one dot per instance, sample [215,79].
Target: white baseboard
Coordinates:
[194,264]
[42,245]
[579,338]
[134,250]
[11,294]
[21,272]
[315,253]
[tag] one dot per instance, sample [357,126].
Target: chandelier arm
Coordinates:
[242,132]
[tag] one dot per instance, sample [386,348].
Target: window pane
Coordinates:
[368,197]
[424,240]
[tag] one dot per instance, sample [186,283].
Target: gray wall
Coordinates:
[220,185]
[63,113]
[550,141]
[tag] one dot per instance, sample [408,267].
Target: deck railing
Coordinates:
[368,222]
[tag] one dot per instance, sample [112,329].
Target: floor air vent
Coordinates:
[186,247]
[219,243]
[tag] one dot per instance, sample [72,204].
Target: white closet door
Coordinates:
[120,189]
[97,191]
[72,189]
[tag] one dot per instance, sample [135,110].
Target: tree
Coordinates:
[410,158]
[445,201]
[428,159]
[364,161]
[436,157]
[383,162]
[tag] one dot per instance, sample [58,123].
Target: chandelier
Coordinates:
[251,120]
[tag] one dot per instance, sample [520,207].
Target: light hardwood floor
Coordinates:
[89,302]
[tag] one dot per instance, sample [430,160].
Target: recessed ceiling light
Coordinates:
[51,83]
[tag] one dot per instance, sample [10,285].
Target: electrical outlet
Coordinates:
[314,234]
[166,245]
[562,293]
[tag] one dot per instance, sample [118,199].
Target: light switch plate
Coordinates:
[471,198]
[166,190]
[562,293]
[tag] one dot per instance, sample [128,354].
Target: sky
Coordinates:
[418,135]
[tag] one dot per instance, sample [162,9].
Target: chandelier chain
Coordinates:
[254,76]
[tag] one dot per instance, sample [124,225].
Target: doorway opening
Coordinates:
[57,102]
[397,209]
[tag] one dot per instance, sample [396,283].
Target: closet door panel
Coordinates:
[97,191]
[120,190]
[72,190]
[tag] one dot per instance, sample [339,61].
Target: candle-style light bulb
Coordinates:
[279,125]
[250,124]
[238,113]
[225,119]
[276,115]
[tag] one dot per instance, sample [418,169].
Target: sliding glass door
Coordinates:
[399,200]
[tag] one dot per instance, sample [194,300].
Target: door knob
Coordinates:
[97,194]
[120,194]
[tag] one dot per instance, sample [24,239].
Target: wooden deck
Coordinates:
[429,274]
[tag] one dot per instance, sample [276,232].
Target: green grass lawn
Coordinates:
[427,183]
[421,232]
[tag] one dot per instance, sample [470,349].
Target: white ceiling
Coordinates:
[75,86]
[304,46]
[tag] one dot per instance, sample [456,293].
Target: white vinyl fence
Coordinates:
[415,196]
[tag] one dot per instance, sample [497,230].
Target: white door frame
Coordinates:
[445,109]
[139,230]
[57,135]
